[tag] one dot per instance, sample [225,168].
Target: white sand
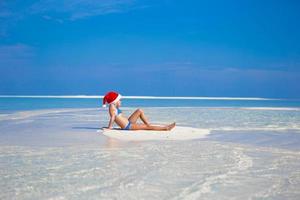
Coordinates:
[177,133]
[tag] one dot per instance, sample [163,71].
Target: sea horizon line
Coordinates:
[142,97]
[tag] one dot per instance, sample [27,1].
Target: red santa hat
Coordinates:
[111,97]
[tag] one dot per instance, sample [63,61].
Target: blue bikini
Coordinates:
[128,126]
[119,111]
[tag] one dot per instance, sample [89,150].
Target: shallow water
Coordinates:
[58,154]
[198,169]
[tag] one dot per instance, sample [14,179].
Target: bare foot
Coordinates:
[171,126]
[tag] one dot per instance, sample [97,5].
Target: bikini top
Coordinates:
[118,111]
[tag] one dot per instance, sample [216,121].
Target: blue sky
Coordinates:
[164,48]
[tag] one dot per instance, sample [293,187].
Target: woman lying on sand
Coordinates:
[114,101]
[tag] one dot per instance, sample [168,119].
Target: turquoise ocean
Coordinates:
[10,104]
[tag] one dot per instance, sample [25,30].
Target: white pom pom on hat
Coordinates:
[111,97]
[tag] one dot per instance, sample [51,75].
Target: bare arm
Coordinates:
[112,117]
[111,121]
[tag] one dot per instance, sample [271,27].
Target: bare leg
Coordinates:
[152,127]
[139,113]
[171,126]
